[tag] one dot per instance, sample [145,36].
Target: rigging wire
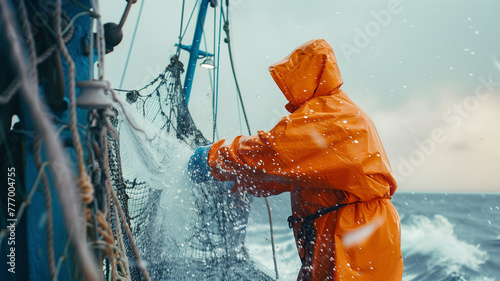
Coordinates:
[228,41]
[178,52]
[189,20]
[216,76]
[212,80]
[131,43]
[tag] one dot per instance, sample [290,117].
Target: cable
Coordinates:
[216,76]
[131,43]
[178,52]
[189,20]
[72,21]
[272,237]
[228,41]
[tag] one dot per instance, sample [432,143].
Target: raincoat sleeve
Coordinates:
[251,162]
[329,153]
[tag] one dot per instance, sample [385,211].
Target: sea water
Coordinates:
[445,236]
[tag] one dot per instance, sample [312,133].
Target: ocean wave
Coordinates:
[433,241]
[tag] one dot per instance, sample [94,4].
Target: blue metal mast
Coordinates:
[194,49]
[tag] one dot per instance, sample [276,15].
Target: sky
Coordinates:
[427,72]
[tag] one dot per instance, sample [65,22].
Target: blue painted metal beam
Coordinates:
[201,54]
[195,49]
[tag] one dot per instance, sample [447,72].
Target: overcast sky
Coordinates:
[428,73]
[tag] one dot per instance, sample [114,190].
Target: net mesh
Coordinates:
[183,231]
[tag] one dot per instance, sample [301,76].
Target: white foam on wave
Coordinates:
[435,238]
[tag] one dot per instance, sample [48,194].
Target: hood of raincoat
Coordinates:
[310,71]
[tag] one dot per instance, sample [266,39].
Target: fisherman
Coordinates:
[328,155]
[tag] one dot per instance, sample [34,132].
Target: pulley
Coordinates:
[93,94]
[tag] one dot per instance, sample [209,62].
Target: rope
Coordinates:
[71,90]
[131,43]
[47,53]
[228,41]
[13,87]
[37,147]
[70,26]
[115,98]
[124,265]
[272,236]
[129,234]
[9,92]
[28,36]
[209,71]
[119,236]
[216,76]
[61,259]
[30,94]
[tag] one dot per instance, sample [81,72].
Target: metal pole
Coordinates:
[195,49]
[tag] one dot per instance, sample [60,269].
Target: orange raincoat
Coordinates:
[326,152]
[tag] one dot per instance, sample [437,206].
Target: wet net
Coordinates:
[183,231]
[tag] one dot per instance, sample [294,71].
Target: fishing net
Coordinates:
[183,231]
